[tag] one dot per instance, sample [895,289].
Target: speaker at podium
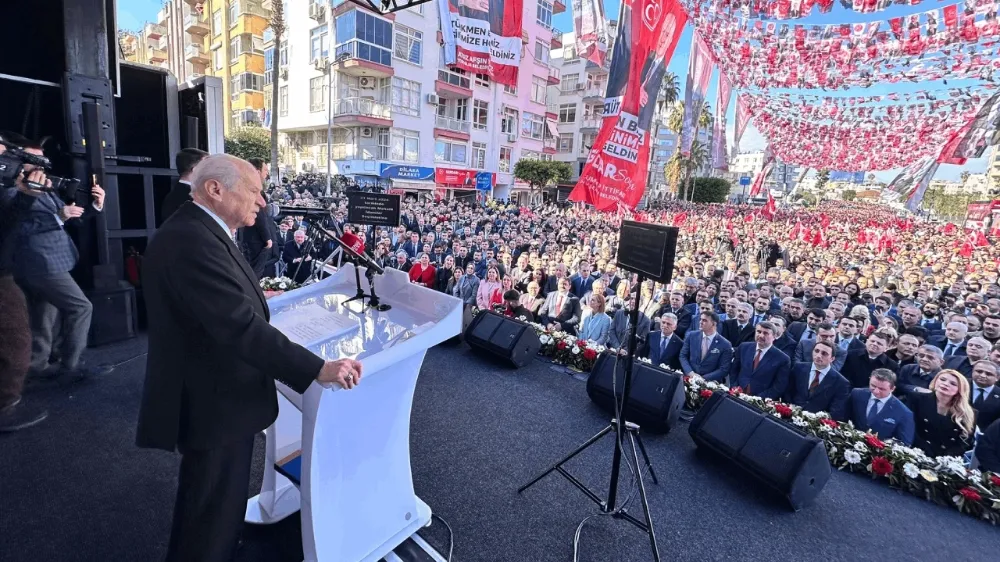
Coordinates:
[340,457]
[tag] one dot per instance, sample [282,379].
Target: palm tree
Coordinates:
[700,153]
[675,122]
[703,120]
[669,91]
[278,28]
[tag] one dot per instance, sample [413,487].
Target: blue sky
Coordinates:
[133,13]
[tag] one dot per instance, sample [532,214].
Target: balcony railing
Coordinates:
[555,75]
[557,37]
[154,30]
[591,123]
[353,50]
[452,124]
[250,9]
[549,142]
[454,79]
[362,106]
[194,51]
[595,91]
[194,24]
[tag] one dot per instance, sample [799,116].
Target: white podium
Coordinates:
[350,449]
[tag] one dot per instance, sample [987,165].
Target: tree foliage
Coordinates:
[710,190]
[540,173]
[947,206]
[278,28]
[249,142]
[849,195]
[822,177]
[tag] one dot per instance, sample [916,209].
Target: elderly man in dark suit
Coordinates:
[180,192]
[859,364]
[663,346]
[739,330]
[918,377]
[297,258]
[621,327]
[875,409]
[561,310]
[758,367]
[705,352]
[976,349]
[817,386]
[213,358]
[984,394]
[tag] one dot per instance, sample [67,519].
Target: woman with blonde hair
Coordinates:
[490,290]
[945,420]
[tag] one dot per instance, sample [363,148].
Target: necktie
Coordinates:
[663,346]
[949,350]
[705,343]
[873,412]
[815,381]
[844,344]
[756,359]
[809,334]
[980,393]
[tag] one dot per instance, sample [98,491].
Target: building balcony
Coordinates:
[195,25]
[595,93]
[351,59]
[549,145]
[594,68]
[557,39]
[194,54]
[558,7]
[156,55]
[154,31]
[590,124]
[451,128]
[364,112]
[555,75]
[552,113]
[452,85]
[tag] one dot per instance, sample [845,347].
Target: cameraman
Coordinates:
[15,332]
[43,257]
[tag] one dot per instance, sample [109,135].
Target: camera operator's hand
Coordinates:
[98,193]
[70,212]
[35,176]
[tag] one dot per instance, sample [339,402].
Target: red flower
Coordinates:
[706,393]
[970,494]
[581,343]
[687,379]
[830,422]
[561,345]
[881,466]
[589,354]
[874,442]
[735,391]
[783,410]
[995,479]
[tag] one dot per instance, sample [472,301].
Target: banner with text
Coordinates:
[591,30]
[720,160]
[483,36]
[616,168]
[700,67]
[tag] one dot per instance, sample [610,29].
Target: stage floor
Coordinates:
[77,489]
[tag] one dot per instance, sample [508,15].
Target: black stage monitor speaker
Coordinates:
[776,453]
[647,249]
[511,341]
[655,399]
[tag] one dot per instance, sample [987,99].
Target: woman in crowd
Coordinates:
[620,298]
[422,273]
[596,326]
[453,282]
[853,291]
[490,290]
[445,275]
[944,419]
[538,276]
[532,299]
[507,283]
[863,317]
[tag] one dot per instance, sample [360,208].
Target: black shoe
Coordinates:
[84,372]
[19,416]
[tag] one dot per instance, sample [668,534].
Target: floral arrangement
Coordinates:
[943,480]
[274,286]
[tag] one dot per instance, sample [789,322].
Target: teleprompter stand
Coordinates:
[620,430]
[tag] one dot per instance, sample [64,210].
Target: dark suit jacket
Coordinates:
[830,396]
[621,329]
[959,363]
[786,344]
[568,315]
[768,380]
[989,410]
[730,329]
[670,358]
[895,421]
[943,343]
[715,365]
[988,448]
[796,329]
[580,286]
[804,353]
[254,239]
[858,367]
[684,319]
[909,379]
[179,194]
[213,357]
[300,270]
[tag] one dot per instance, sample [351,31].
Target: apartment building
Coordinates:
[664,144]
[396,112]
[783,176]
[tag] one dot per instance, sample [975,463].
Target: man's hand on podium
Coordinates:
[345,372]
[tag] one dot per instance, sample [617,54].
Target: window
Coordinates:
[217,22]
[283,53]
[234,12]
[568,82]
[480,114]
[247,81]
[454,109]
[245,43]
[217,59]
[538,86]
[542,52]
[448,151]
[319,43]
[321,158]
[570,55]
[340,148]
[405,145]
[512,90]
[532,125]
[567,112]
[364,36]
[505,152]
[508,123]
[597,81]
[409,44]
[530,155]
[317,93]
[565,142]
[383,144]
[406,96]
[268,64]
[543,14]
[481,79]
[283,101]
[479,155]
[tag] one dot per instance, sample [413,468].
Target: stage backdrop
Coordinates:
[615,173]
[483,36]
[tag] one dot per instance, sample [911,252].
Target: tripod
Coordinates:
[620,430]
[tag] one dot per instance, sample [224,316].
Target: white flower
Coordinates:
[911,470]
[852,457]
[860,447]
[544,339]
[282,285]
[809,415]
[575,350]
[823,428]
[799,421]
[833,451]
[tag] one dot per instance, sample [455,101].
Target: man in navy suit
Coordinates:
[663,346]
[918,377]
[817,386]
[807,330]
[825,332]
[875,409]
[984,394]
[705,351]
[784,342]
[739,330]
[954,339]
[676,307]
[582,282]
[976,349]
[930,318]
[758,367]
[847,335]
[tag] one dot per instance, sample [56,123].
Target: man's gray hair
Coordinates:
[964,327]
[746,306]
[223,168]
[933,350]
[669,316]
[981,341]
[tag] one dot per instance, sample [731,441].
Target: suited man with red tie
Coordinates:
[561,310]
[817,387]
[758,367]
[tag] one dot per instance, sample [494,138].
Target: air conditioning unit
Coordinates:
[284,74]
[366,82]
[317,12]
[433,99]
[320,64]
[366,132]
[511,137]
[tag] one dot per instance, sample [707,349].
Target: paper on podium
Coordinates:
[311,324]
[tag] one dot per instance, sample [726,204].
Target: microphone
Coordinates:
[354,247]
